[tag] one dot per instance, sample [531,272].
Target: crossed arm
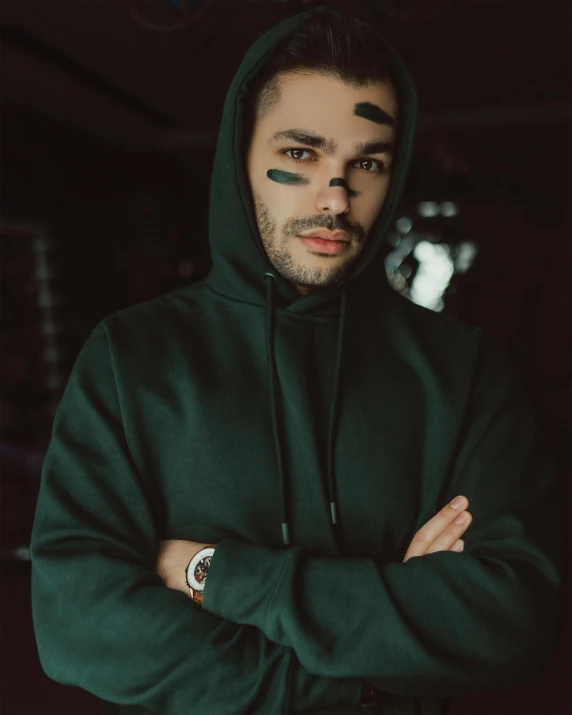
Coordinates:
[434,627]
[441,533]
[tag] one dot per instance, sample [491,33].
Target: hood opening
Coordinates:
[239,261]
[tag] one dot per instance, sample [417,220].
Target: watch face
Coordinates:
[202,569]
[198,568]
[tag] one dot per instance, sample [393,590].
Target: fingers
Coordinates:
[440,532]
[428,533]
[453,532]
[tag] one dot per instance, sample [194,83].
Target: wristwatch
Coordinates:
[196,573]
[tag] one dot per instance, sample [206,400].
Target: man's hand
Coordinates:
[173,559]
[440,533]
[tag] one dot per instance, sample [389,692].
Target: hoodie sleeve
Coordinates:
[103,619]
[440,625]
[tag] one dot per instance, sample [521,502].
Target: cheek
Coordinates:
[281,197]
[382,189]
[273,199]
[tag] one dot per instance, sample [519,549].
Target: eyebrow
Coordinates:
[329,146]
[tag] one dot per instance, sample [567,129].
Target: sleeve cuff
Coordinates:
[242,578]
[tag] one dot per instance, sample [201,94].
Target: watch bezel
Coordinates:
[193,563]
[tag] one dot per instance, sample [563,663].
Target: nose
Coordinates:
[334,199]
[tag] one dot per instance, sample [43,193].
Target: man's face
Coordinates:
[332,186]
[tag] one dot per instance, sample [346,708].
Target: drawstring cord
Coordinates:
[269,278]
[334,410]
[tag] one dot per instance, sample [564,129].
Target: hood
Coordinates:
[240,266]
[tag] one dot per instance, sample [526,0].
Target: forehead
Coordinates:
[315,99]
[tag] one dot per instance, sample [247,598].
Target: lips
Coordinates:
[322,245]
[326,235]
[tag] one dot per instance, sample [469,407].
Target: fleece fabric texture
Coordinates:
[310,438]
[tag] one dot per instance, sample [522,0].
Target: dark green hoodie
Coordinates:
[310,438]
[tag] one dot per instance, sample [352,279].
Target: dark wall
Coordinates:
[110,211]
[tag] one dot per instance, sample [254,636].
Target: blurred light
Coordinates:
[449,209]
[42,244]
[433,275]
[46,299]
[49,327]
[428,209]
[397,281]
[404,224]
[54,382]
[393,238]
[52,353]
[405,270]
[18,553]
[394,259]
[465,256]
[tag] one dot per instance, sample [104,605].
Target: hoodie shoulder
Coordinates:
[424,335]
[163,309]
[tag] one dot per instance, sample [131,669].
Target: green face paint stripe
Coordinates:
[285,177]
[343,182]
[370,111]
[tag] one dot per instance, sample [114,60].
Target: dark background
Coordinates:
[110,113]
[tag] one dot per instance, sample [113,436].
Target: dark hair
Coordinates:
[335,46]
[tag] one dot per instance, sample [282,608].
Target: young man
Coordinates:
[266,442]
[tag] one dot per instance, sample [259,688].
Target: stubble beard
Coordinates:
[278,251]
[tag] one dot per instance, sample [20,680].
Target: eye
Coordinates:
[380,167]
[286,151]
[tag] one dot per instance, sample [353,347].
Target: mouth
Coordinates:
[326,235]
[322,245]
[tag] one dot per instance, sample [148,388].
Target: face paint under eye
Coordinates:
[343,182]
[286,177]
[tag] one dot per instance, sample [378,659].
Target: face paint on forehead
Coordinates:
[286,177]
[370,111]
[343,182]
